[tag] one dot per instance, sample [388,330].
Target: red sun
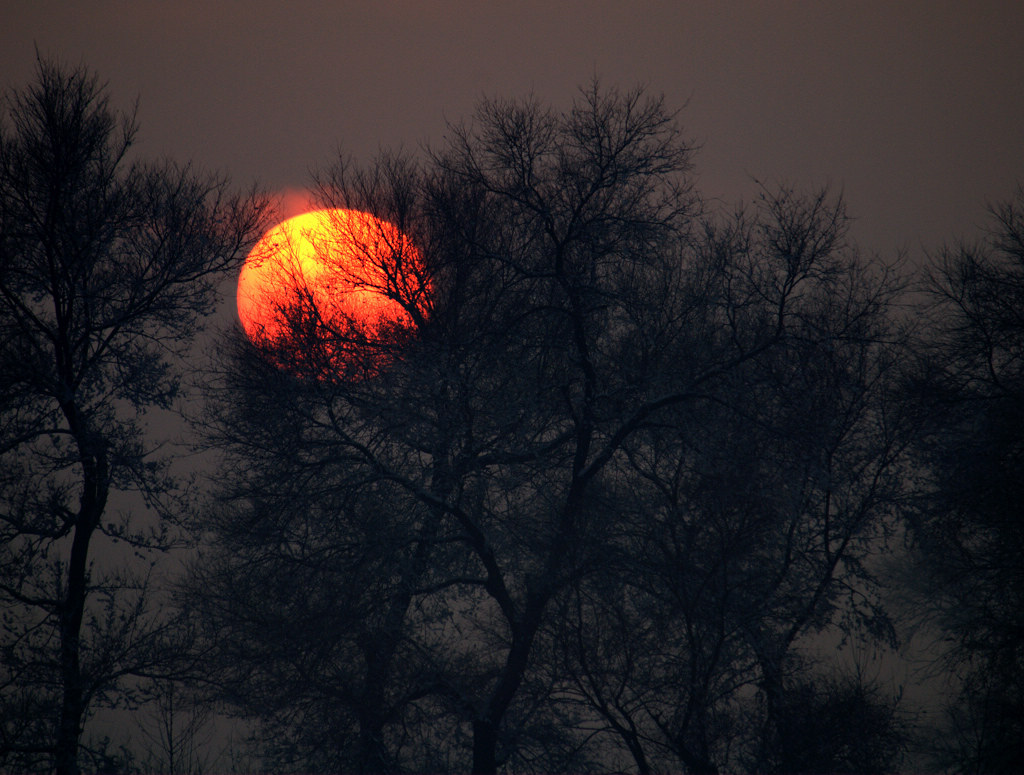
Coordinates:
[332,292]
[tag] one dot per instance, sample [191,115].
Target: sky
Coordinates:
[913,110]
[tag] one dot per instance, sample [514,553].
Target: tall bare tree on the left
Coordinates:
[108,267]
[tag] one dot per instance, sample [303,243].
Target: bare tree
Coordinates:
[106,269]
[598,367]
[177,730]
[319,571]
[968,529]
[746,516]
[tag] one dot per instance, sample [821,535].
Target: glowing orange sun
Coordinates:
[332,291]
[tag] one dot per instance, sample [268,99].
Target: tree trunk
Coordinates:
[372,755]
[95,486]
[485,747]
[72,704]
[485,729]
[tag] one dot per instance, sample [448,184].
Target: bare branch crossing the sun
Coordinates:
[332,292]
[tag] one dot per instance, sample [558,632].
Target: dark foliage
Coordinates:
[970,527]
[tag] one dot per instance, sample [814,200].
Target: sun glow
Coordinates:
[332,291]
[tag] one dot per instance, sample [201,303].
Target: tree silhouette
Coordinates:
[836,725]
[106,268]
[745,517]
[969,529]
[609,400]
[312,541]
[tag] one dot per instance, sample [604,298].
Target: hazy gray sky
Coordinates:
[914,109]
